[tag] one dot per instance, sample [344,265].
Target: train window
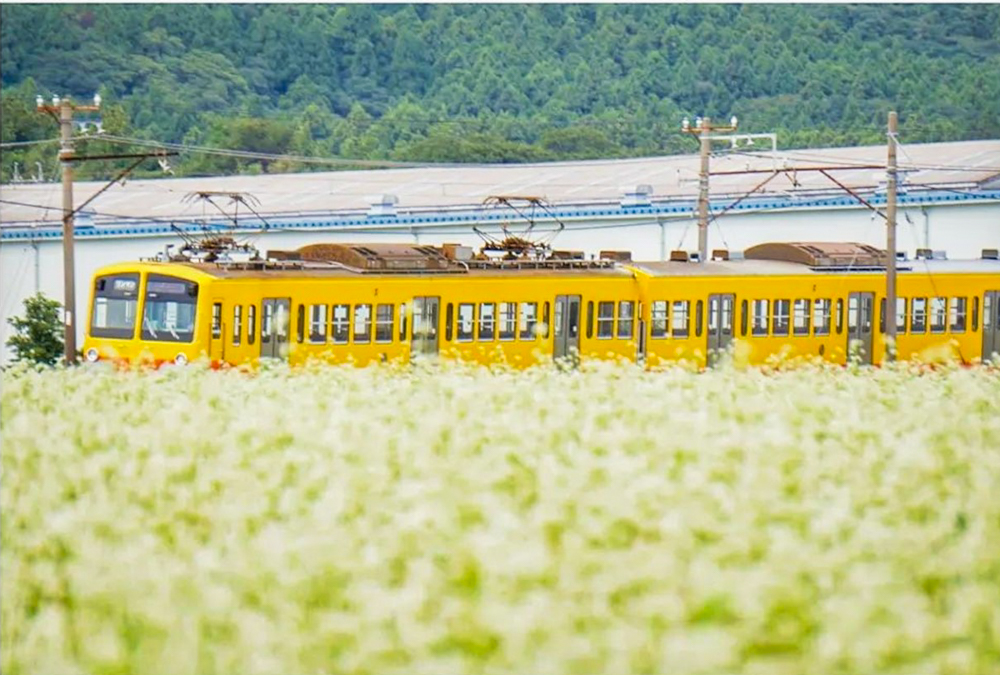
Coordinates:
[698,317]
[266,318]
[544,328]
[508,320]
[821,316]
[975,313]
[801,316]
[487,321]
[760,317]
[605,320]
[658,318]
[169,309]
[939,316]
[362,324]
[466,320]
[301,325]
[402,322]
[237,324]
[881,315]
[317,323]
[918,315]
[216,320]
[956,314]
[744,318]
[590,319]
[781,318]
[341,324]
[383,323]
[900,315]
[529,318]
[681,325]
[840,316]
[251,324]
[449,322]
[116,300]
[626,309]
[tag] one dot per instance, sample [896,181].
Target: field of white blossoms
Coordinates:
[339,520]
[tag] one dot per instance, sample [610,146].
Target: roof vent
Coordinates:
[617,256]
[991,254]
[456,252]
[383,205]
[694,256]
[940,255]
[820,254]
[720,254]
[678,256]
[901,256]
[640,195]
[924,254]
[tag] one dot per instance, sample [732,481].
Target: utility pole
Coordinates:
[64,108]
[703,129]
[890,225]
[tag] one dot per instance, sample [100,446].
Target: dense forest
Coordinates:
[491,82]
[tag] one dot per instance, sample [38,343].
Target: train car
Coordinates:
[819,299]
[372,303]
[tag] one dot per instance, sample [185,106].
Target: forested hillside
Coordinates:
[494,82]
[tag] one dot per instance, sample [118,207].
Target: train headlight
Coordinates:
[91,355]
[180,360]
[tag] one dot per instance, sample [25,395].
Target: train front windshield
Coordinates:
[169,309]
[114,311]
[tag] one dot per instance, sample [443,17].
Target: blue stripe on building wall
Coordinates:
[458,217]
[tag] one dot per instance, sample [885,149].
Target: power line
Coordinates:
[16,144]
[850,162]
[248,154]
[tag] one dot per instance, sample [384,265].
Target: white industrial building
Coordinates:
[949,201]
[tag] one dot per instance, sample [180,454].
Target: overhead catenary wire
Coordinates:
[18,144]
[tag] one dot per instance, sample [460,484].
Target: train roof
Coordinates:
[271,271]
[734,268]
[393,260]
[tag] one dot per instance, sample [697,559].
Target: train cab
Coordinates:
[147,312]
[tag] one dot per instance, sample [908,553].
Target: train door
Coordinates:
[425,326]
[217,345]
[566,327]
[991,324]
[275,318]
[860,307]
[720,324]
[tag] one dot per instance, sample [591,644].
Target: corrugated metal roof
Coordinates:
[957,164]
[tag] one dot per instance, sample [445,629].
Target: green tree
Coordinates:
[38,336]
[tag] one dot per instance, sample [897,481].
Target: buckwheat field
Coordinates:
[463,520]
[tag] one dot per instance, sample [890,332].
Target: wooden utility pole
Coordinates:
[64,109]
[890,225]
[703,129]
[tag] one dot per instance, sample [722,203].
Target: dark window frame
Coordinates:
[366,335]
[625,323]
[237,325]
[662,316]
[487,318]
[462,335]
[340,328]
[384,328]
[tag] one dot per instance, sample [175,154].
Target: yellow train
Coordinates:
[382,302]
